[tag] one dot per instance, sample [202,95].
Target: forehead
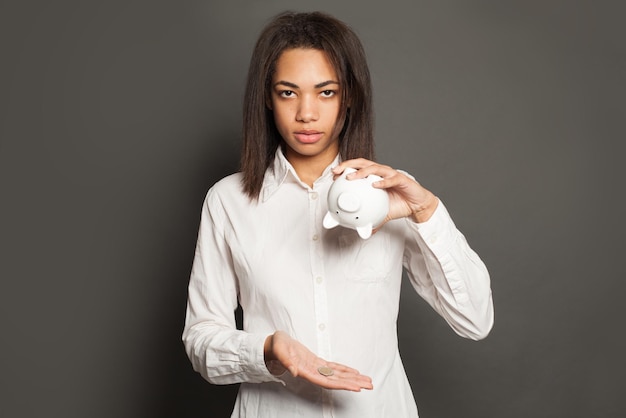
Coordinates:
[304,64]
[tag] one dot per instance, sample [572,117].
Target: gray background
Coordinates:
[116,117]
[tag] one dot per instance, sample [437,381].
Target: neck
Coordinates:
[310,168]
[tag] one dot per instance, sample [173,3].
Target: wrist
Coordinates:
[268,353]
[271,362]
[425,211]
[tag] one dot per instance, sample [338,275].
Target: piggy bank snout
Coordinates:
[356,204]
[348,202]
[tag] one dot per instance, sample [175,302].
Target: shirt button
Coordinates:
[321,327]
[319,280]
[315,237]
[313,195]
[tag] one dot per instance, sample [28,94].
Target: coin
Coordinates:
[325,371]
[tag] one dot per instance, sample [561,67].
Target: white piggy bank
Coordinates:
[356,204]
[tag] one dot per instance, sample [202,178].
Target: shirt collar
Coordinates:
[281,169]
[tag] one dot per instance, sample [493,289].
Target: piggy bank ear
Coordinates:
[329,221]
[365,231]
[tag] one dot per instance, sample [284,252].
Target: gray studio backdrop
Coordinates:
[116,117]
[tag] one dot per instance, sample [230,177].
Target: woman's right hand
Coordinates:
[301,362]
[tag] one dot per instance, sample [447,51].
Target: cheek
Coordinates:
[282,112]
[281,121]
[277,115]
[332,113]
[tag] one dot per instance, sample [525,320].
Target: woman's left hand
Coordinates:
[406,196]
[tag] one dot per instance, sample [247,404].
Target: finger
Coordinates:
[387,182]
[356,163]
[379,170]
[343,377]
[348,381]
[341,367]
[338,382]
[393,178]
[357,378]
[365,171]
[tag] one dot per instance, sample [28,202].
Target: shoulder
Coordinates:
[226,189]
[226,193]
[229,184]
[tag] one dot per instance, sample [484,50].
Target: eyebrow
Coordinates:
[295,86]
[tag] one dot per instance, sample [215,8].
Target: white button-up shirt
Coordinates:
[334,292]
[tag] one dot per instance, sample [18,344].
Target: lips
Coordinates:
[308,136]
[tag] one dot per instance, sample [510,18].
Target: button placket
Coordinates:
[317,275]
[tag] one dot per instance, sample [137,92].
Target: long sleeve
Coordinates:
[217,350]
[449,275]
[328,288]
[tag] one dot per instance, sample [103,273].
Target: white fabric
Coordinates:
[333,291]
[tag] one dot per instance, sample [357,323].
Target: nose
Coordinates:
[307,110]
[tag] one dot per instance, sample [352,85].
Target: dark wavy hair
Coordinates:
[345,52]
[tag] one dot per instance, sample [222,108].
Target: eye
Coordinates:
[286,93]
[328,93]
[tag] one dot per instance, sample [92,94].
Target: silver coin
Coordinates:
[325,371]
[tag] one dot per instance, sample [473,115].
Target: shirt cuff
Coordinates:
[439,232]
[253,356]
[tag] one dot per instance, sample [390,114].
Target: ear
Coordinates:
[329,222]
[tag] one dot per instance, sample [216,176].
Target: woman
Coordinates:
[320,306]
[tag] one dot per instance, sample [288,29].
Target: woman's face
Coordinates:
[305,100]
